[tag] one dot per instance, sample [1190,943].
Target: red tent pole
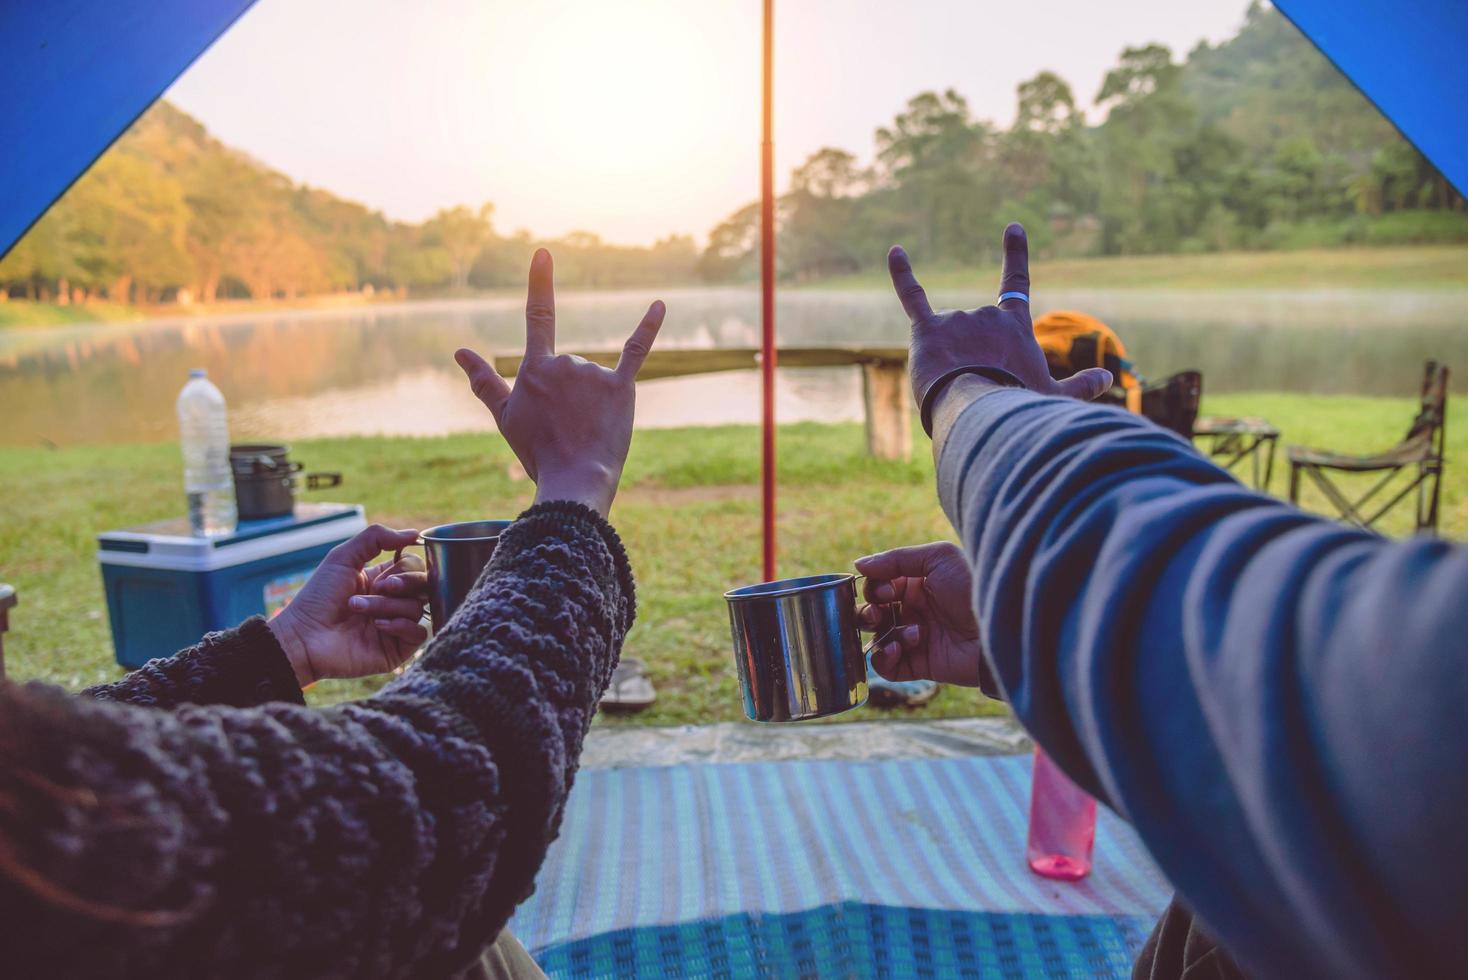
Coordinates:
[767,296]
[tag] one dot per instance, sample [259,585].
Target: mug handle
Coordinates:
[896,611]
[322,481]
[397,556]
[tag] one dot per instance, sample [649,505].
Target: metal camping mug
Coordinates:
[456,554]
[797,647]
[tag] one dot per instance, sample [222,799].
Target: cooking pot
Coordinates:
[265,480]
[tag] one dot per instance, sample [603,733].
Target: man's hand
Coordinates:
[568,421]
[991,336]
[353,621]
[938,638]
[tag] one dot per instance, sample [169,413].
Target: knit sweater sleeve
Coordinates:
[389,837]
[242,667]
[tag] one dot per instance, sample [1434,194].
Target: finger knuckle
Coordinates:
[540,311]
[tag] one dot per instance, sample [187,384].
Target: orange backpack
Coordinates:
[1075,341]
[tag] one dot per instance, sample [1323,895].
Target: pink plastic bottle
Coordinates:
[1062,823]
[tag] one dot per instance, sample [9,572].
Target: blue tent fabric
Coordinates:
[1410,59]
[869,942]
[901,867]
[75,74]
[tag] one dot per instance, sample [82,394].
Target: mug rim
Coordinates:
[787,586]
[431,534]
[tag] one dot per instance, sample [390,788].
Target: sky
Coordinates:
[633,119]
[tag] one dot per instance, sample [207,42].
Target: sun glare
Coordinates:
[607,96]
[633,119]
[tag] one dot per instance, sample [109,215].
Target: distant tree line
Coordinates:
[170,213]
[1257,143]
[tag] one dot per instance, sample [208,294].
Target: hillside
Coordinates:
[1257,143]
[169,207]
[171,212]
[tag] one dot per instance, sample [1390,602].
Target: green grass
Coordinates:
[689,513]
[1399,267]
[23,313]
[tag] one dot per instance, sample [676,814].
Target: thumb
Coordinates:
[484,380]
[1087,385]
[357,551]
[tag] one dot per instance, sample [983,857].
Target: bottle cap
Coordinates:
[198,373]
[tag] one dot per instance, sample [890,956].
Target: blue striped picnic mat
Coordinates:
[906,867]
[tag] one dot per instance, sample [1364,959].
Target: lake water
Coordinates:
[389,369]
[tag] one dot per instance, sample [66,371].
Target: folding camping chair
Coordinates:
[1173,402]
[1422,448]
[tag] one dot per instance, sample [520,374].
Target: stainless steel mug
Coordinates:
[797,647]
[456,554]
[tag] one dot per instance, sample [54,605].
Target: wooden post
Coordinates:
[7,602]
[888,409]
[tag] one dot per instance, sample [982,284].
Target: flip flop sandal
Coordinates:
[630,689]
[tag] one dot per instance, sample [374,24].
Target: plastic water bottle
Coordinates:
[1062,823]
[204,435]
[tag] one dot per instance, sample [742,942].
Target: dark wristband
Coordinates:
[995,374]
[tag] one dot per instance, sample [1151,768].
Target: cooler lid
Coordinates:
[169,544]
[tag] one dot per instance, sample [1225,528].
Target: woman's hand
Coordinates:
[569,421]
[991,336]
[353,621]
[938,638]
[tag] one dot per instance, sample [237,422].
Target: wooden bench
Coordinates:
[883,375]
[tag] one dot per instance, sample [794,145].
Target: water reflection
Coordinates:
[388,369]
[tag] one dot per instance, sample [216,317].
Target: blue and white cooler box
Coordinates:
[166,588]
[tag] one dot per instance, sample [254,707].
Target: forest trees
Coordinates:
[821,237]
[1254,143]
[730,253]
[170,213]
[462,234]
